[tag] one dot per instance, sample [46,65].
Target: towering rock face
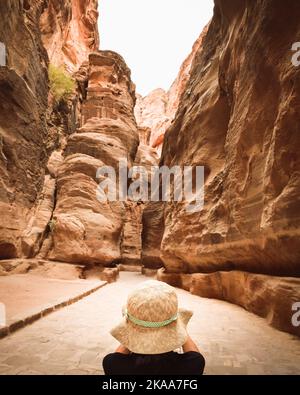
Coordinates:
[31,124]
[84,229]
[179,85]
[134,228]
[23,132]
[152,215]
[155,113]
[157,110]
[238,118]
[153,230]
[70,31]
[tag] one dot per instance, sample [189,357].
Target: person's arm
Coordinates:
[196,362]
[122,350]
[189,345]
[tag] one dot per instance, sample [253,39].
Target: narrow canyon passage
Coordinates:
[86,164]
[75,339]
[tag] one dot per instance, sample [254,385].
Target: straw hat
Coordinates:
[152,322]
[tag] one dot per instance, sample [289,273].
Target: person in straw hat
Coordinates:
[151,329]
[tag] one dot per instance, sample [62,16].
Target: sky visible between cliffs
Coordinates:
[153,36]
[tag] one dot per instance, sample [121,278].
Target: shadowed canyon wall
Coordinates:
[32,124]
[51,148]
[239,118]
[23,127]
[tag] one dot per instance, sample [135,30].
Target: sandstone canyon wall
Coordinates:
[86,230]
[70,31]
[32,124]
[23,126]
[51,149]
[154,114]
[151,112]
[238,118]
[234,109]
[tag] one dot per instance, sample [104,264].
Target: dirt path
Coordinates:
[75,339]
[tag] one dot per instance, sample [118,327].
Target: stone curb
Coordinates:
[47,309]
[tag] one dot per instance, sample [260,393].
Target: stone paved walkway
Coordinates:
[75,339]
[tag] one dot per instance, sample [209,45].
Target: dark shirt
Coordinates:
[170,363]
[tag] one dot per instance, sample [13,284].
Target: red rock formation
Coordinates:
[157,110]
[151,112]
[151,215]
[84,229]
[269,297]
[131,244]
[31,124]
[145,134]
[179,85]
[233,108]
[231,122]
[238,118]
[153,230]
[23,132]
[70,31]
[134,226]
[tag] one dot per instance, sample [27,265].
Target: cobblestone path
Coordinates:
[74,339]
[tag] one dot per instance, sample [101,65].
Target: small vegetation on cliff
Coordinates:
[61,84]
[51,225]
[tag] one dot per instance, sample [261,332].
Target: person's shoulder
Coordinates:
[113,359]
[195,358]
[115,356]
[192,355]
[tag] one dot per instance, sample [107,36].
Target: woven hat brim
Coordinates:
[141,340]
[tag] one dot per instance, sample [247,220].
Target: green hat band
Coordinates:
[150,324]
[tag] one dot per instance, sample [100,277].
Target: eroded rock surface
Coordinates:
[153,229]
[269,297]
[133,239]
[131,245]
[151,112]
[70,31]
[86,230]
[234,109]
[152,215]
[237,118]
[23,132]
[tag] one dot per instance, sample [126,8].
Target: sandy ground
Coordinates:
[75,339]
[23,294]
